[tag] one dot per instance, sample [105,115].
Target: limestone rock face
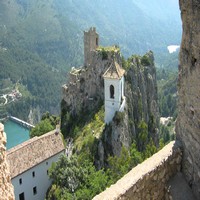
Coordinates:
[85,91]
[6,188]
[142,105]
[142,95]
[188,122]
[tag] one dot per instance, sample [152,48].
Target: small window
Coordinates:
[47,172]
[97,42]
[21,196]
[35,190]
[20,181]
[33,174]
[47,163]
[112,91]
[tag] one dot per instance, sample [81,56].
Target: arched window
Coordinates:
[112,92]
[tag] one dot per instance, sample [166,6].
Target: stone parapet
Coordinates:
[147,180]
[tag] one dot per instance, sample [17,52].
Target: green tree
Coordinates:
[75,179]
[119,165]
[149,150]
[41,128]
[136,156]
[143,135]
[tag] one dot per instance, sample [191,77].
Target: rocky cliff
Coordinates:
[6,188]
[142,106]
[84,93]
[188,122]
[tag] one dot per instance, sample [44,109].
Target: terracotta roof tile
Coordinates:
[34,151]
[114,71]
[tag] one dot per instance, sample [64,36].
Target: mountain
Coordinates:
[40,38]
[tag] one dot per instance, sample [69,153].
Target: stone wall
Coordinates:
[188,122]
[6,188]
[147,180]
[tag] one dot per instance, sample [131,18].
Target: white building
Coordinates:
[29,163]
[113,91]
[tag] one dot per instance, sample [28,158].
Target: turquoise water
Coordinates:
[16,134]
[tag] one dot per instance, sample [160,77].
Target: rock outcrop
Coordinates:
[84,94]
[84,91]
[6,188]
[141,95]
[188,122]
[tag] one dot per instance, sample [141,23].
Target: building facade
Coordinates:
[114,98]
[29,163]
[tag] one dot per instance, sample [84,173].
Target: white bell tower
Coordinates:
[114,99]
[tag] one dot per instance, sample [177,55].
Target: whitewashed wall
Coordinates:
[41,181]
[113,105]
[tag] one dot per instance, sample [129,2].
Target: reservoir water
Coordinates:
[16,133]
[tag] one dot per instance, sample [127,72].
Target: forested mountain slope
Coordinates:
[40,41]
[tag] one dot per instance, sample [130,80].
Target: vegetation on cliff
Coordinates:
[94,142]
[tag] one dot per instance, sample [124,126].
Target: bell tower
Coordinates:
[114,99]
[91,42]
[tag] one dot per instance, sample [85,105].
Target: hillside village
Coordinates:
[12,96]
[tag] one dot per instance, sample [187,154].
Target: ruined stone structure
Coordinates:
[6,188]
[188,122]
[91,42]
[84,90]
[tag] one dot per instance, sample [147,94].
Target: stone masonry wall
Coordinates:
[147,180]
[188,122]
[6,188]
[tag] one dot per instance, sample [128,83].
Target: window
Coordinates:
[21,196]
[33,174]
[47,172]
[47,163]
[20,181]
[97,42]
[112,91]
[35,190]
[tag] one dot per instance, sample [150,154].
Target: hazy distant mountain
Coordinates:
[54,28]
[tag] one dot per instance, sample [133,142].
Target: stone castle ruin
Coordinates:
[91,42]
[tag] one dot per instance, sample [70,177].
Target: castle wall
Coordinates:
[147,180]
[6,188]
[188,122]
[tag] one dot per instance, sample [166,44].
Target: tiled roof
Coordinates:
[32,152]
[114,71]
